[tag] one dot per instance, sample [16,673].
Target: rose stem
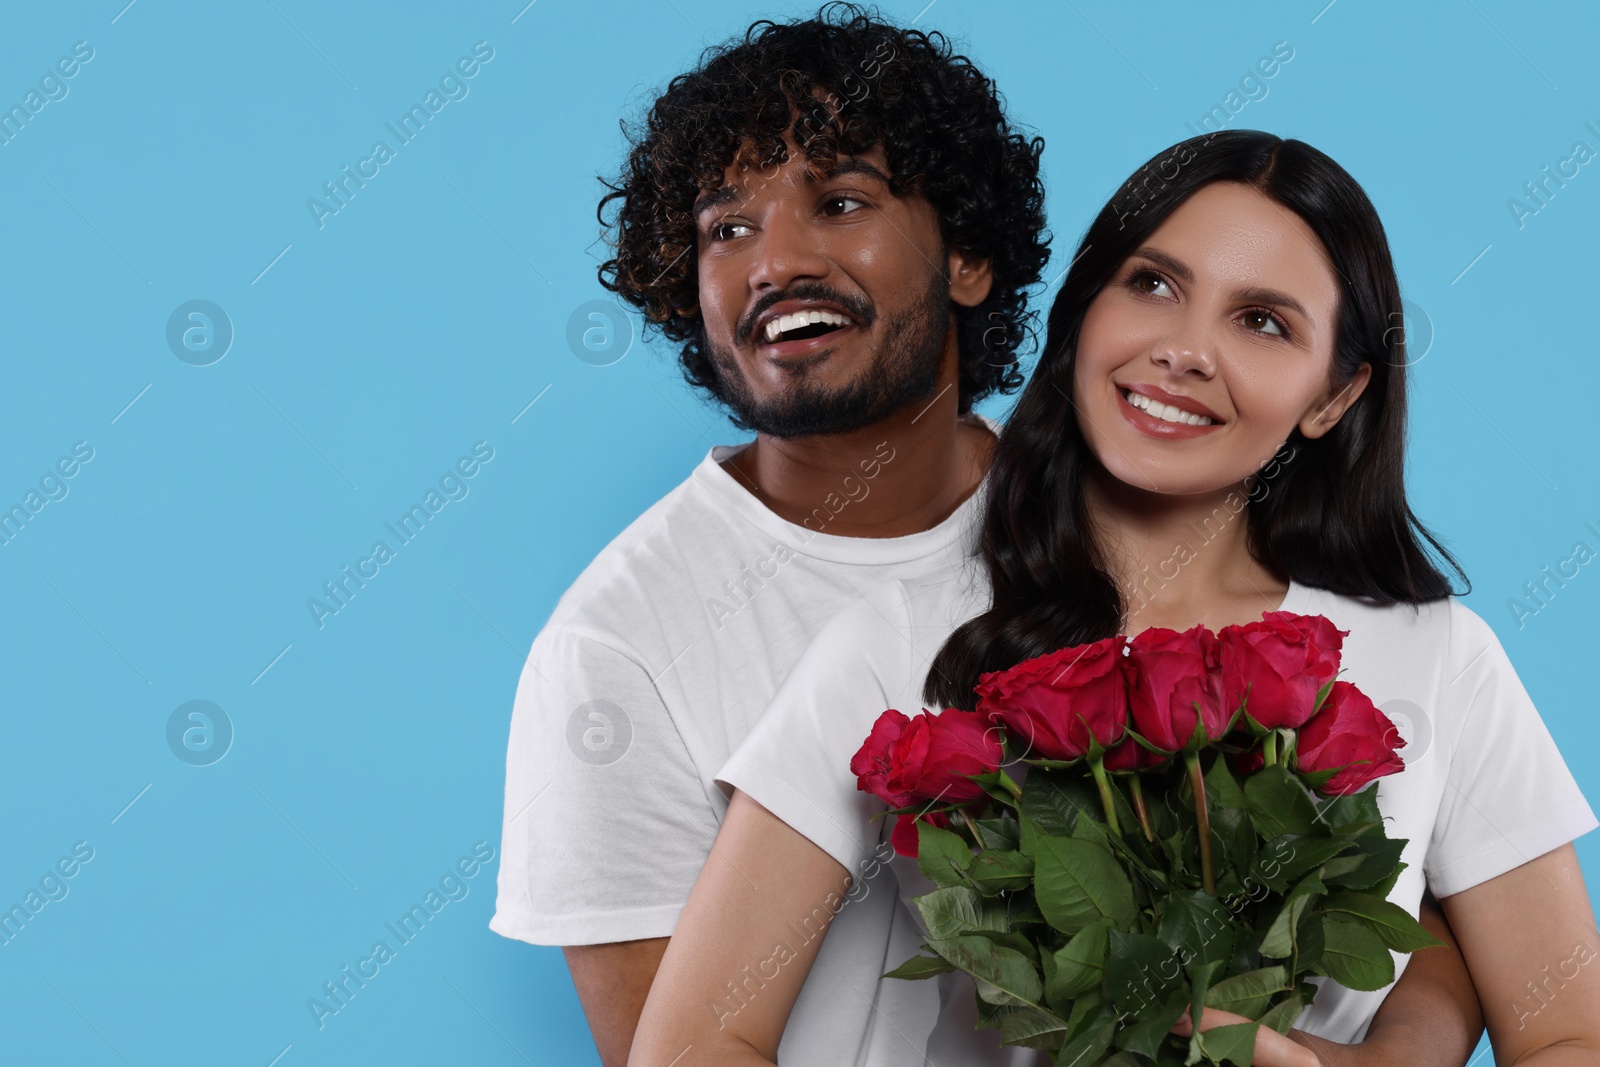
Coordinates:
[1269,747]
[1099,772]
[1202,818]
[1138,807]
[977,838]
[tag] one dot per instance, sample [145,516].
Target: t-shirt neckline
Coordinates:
[834,547]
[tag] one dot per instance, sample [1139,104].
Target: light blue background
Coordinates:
[371,353]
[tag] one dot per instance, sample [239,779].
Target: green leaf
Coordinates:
[955,911]
[1021,909]
[942,855]
[1353,813]
[1278,803]
[1309,944]
[1235,1043]
[1146,1035]
[999,833]
[1087,1011]
[1340,866]
[1248,994]
[1053,799]
[1355,957]
[1279,940]
[1222,788]
[1281,1016]
[1393,924]
[1079,965]
[1034,1028]
[994,871]
[1380,856]
[1198,926]
[921,967]
[1092,1041]
[1003,975]
[1140,971]
[1078,883]
[990,782]
[1297,856]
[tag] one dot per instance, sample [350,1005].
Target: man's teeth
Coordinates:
[1166,412]
[784,323]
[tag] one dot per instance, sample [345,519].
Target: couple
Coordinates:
[864,223]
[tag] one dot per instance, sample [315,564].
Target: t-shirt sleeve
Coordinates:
[796,761]
[1509,797]
[607,820]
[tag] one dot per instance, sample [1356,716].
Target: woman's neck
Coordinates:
[1180,561]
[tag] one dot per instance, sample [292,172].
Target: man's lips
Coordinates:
[806,345]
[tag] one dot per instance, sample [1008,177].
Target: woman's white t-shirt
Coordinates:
[1484,790]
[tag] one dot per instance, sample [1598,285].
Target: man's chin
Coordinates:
[813,418]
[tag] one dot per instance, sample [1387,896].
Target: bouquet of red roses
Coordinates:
[1195,829]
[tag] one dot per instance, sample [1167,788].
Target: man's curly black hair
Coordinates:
[839,83]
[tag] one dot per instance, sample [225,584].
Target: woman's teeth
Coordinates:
[1166,412]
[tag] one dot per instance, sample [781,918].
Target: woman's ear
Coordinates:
[1325,414]
[971,278]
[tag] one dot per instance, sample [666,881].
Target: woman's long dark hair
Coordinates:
[1336,517]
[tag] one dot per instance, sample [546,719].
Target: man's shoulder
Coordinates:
[653,562]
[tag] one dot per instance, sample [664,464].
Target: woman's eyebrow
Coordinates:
[1276,298]
[1254,294]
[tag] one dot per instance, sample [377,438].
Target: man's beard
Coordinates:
[903,371]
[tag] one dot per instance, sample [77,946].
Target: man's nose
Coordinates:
[788,250]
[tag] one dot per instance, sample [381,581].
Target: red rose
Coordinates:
[1054,703]
[872,760]
[936,753]
[904,836]
[926,758]
[1169,675]
[1276,666]
[1349,733]
[1129,755]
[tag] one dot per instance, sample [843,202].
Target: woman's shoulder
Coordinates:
[1446,627]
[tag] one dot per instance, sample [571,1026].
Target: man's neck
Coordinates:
[900,476]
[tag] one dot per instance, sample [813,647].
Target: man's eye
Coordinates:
[722,231]
[832,200]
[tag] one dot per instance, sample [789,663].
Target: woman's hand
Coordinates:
[1272,1048]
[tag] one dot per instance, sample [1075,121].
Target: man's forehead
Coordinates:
[741,179]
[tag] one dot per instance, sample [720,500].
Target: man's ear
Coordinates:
[1325,414]
[971,278]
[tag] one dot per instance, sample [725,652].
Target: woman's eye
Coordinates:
[1151,284]
[1264,322]
[832,200]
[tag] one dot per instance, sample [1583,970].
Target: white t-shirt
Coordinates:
[651,670]
[1484,790]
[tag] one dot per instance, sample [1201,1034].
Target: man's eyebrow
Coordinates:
[1255,294]
[727,194]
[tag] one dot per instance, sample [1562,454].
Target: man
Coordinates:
[837,223]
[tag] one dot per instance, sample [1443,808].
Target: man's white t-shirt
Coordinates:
[1484,790]
[651,670]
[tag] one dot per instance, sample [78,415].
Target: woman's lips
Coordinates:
[1160,429]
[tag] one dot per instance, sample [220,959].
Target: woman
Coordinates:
[1215,429]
